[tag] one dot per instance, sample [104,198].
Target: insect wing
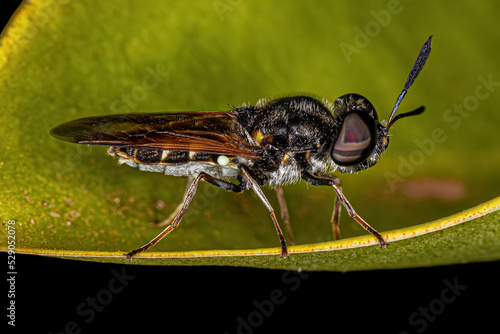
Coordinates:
[206,131]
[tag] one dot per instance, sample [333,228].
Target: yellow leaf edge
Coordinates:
[348,243]
[22,26]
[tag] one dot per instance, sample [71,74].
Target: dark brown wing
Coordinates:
[204,131]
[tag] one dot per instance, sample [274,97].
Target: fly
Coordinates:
[275,143]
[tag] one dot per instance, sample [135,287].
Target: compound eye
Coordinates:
[356,139]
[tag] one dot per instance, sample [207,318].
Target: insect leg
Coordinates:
[336,204]
[284,214]
[219,183]
[327,180]
[336,210]
[177,209]
[184,205]
[255,186]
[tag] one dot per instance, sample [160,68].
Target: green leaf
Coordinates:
[61,61]
[445,241]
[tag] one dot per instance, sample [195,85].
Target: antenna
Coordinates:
[415,70]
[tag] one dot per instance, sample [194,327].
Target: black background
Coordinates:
[210,299]
[216,299]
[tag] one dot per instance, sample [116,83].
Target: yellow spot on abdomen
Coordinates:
[164,154]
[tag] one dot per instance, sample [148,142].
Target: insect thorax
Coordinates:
[295,134]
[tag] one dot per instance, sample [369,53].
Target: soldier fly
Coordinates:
[275,143]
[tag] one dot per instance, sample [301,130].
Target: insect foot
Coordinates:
[132,253]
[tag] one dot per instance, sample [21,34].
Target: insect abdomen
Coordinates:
[177,163]
[147,156]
